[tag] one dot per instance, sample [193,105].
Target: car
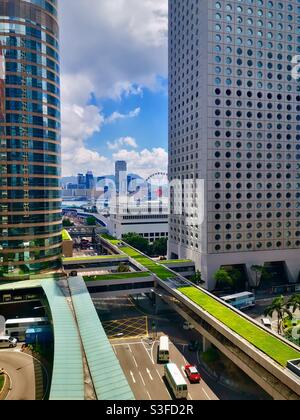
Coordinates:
[188,326]
[8,342]
[192,374]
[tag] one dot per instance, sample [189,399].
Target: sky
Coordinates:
[114,85]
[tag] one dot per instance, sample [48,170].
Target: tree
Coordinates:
[91,221]
[294,303]
[197,278]
[223,279]
[260,271]
[67,223]
[123,268]
[279,307]
[137,241]
[160,247]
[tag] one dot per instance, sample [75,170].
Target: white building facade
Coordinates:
[149,220]
[234,121]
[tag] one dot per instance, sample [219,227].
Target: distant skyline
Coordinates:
[114,85]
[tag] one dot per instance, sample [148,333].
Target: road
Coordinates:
[146,377]
[258,311]
[26,375]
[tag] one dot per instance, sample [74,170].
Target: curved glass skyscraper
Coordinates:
[30,196]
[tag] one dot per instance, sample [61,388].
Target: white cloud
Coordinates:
[116,116]
[110,49]
[145,162]
[122,142]
[120,46]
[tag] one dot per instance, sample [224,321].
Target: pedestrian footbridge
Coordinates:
[259,352]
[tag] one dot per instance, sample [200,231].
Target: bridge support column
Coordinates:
[207,345]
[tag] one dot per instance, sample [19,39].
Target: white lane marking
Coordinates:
[127,344]
[152,361]
[136,365]
[43,367]
[190,397]
[206,394]
[11,386]
[152,348]
[149,396]
[133,378]
[149,373]
[115,351]
[130,348]
[142,379]
[159,375]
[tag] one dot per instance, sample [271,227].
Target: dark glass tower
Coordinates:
[30,166]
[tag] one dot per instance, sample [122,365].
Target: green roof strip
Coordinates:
[66,236]
[108,378]
[265,342]
[117,276]
[95,258]
[67,377]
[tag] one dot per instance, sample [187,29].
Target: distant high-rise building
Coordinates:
[30,168]
[81,183]
[89,180]
[121,176]
[234,122]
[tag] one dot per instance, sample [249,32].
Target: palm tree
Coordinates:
[294,303]
[278,305]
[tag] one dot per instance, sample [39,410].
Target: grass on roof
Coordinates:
[117,276]
[94,258]
[161,272]
[110,239]
[66,236]
[267,343]
[169,262]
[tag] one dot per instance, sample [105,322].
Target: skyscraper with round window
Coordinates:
[30,167]
[234,122]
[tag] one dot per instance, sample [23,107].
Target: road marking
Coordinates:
[142,379]
[152,349]
[159,375]
[126,344]
[206,394]
[130,348]
[190,397]
[115,351]
[149,373]
[152,361]
[149,396]
[136,365]
[133,378]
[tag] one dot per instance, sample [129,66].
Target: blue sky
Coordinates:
[114,85]
[150,127]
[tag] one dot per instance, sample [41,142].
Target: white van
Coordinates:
[163,349]
[266,323]
[8,342]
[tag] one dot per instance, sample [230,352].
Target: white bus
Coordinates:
[163,349]
[240,300]
[176,381]
[17,328]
